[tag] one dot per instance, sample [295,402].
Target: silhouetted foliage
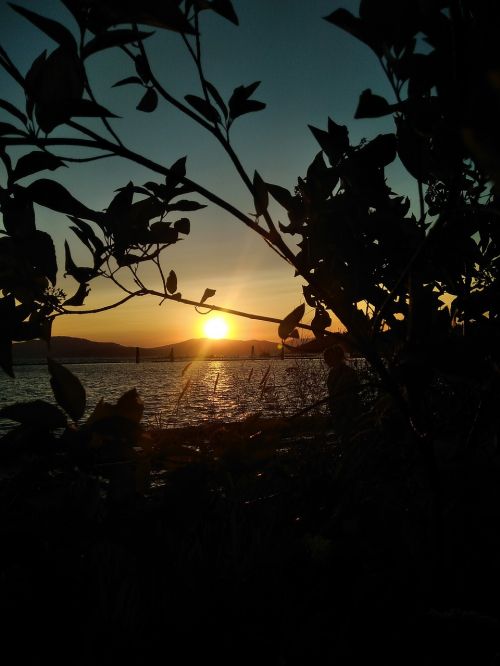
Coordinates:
[374,538]
[415,282]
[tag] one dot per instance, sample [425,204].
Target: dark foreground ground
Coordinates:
[255,543]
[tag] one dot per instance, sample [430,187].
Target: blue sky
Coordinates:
[309,70]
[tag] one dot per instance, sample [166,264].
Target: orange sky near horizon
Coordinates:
[170,323]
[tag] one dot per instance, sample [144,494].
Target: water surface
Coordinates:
[178,394]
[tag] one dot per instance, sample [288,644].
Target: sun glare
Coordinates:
[216,328]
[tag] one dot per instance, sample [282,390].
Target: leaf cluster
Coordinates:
[416,281]
[216,111]
[109,445]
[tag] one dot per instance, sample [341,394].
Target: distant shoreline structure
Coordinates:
[81,350]
[81,360]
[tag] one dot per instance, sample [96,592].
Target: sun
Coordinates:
[216,328]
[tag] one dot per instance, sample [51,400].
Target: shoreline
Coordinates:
[80,360]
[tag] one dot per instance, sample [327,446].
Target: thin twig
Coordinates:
[85,159]
[185,301]
[131,295]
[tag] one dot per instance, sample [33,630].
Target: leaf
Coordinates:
[372,106]
[225,8]
[120,204]
[142,68]
[244,92]
[129,79]
[343,19]
[162,15]
[43,254]
[129,259]
[162,232]
[185,368]
[176,172]
[36,413]
[288,229]
[318,174]
[32,81]
[239,103]
[203,107]
[182,226]
[70,267]
[217,97]
[92,241]
[281,194]
[86,108]
[334,142]
[43,325]
[52,195]
[185,205]
[309,296]
[110,38]
[8,314]
[290,321]
[155,188]
[10,108]
[251,105]
[57,83]
[321,137]
[321,320]
[19,215]
[81,236]
[81,274]
[25,330]
[130,406]
[142,190]
[34,162]
[414,152]
[79,297]
[141,212]
[379,152]
[7,128]
[149,102]
[24,310]
[260,195]
[208,293]
[53,29]
[172,282]
[10,68]
[294,334]
[246,106]
[67,388]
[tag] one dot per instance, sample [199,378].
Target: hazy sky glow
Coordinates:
[309,70]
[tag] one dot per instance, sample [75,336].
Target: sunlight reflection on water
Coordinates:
[217,390]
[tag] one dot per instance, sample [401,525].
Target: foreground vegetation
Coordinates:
[264,541]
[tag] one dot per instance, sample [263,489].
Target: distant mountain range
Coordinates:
[68,347]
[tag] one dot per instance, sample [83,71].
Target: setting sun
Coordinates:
[216,328]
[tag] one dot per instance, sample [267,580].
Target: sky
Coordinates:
[308,69]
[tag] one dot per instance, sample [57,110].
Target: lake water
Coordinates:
[177,394]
